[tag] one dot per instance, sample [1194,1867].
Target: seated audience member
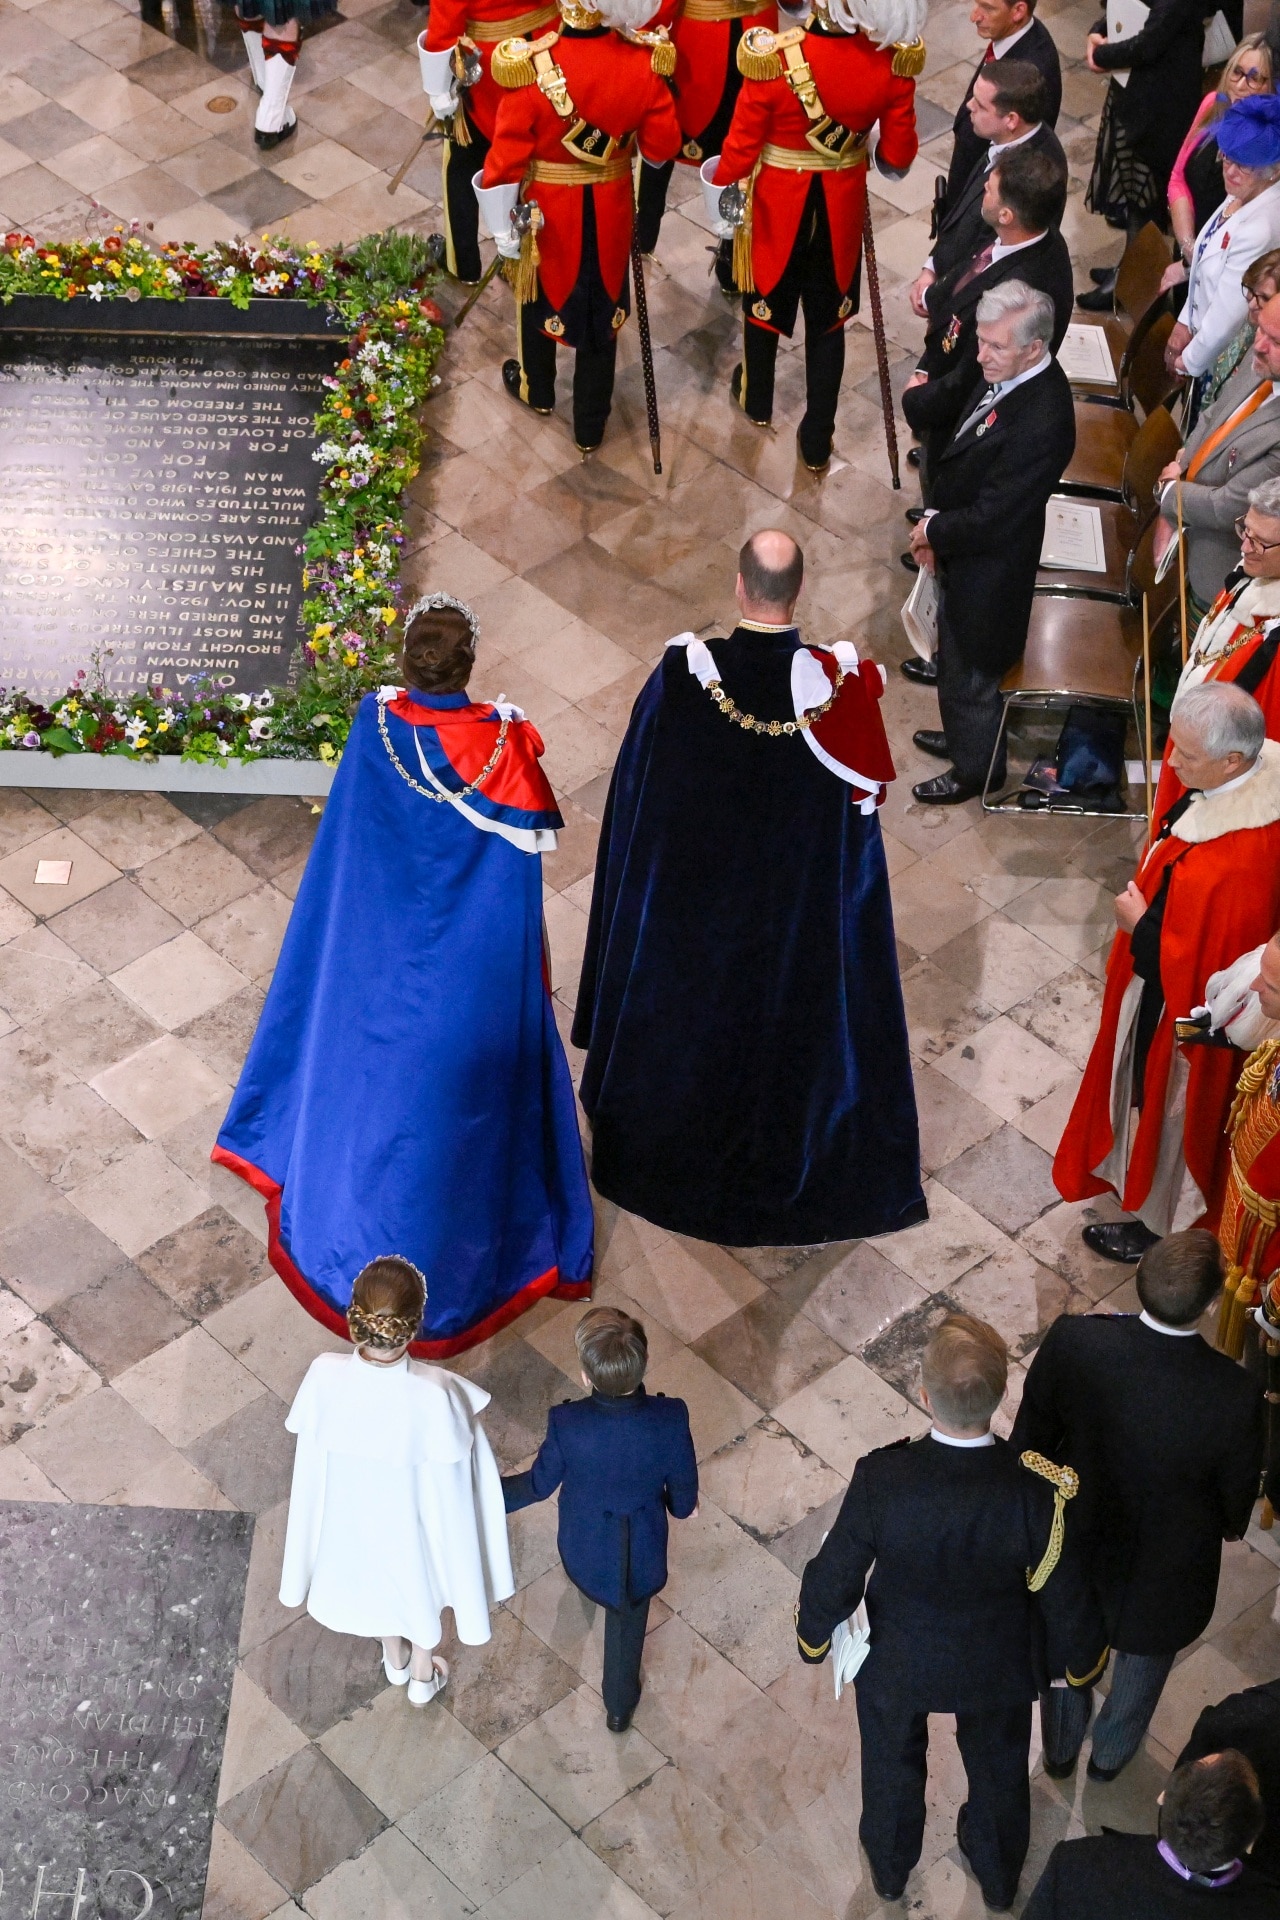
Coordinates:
[623,1461]
[1001,448]
[1148,1121]
[1234,447]
[1195,185]
[1250,1722]
[973,1589]
[1166,1436]
[1245,225]
[1210,1816]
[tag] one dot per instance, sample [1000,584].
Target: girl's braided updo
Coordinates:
[387,1304]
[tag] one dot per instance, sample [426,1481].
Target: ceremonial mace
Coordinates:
[646,349]
[882,351]
[466,76]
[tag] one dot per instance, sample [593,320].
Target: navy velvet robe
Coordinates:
[747,1073]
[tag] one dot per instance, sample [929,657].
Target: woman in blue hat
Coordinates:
[1246,225]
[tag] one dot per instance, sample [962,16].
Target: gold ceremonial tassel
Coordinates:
[908,59]
[523,273]
[743,277]
[459,131]
[1230,1338]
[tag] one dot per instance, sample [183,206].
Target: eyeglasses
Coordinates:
[1248,539]
[1253,76]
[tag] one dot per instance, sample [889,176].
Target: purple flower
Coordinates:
[31,739]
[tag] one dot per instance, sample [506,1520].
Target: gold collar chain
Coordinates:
[774,728]
[430,793]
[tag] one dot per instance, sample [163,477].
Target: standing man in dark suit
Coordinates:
[1200,1864]
[971,1602]
[1249,1721]
[1008,30]
[1007,106]
[1166,1435]
[999,462]
[623,1462]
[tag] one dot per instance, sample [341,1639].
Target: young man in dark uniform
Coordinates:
[972,1602]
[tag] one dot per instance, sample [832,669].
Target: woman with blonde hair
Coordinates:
[1195,185]
[396,1509]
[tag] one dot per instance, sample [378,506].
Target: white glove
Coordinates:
[881,166]
[496,204]
[443,105]
[439,82]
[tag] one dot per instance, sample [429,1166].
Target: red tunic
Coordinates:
[1266,693]
[703,68]
[449,20]
[1223,899]
[857,86]
[613,86]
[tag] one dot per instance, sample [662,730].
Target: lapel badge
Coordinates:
[990,421]
[951,335]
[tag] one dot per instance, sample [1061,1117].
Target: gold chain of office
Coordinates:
[774,728]
[430,793]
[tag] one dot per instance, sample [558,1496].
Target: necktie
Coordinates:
[979,264]
[978,411]
[1209,446]
[990,53]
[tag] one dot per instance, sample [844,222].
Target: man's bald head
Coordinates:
[770,572]
[1267,984]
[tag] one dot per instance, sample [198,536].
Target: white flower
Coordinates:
[240,701]
[264,701]
[329,451]
[119,714]
[134,730]
[260,729]
[96,289]
[224,748]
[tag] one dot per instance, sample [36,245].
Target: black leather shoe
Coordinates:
[923,672]
[812,457]
[1103,276]
[932,740]
[913,456]
[910,562]
[883,1890]
[996,1903]
[511,381]
[1124,1241]
[915,515]
[735,394]
[268,140]
[1060,1769]
[944,791]
[1101,300]
[1103,1774]
[617,1722]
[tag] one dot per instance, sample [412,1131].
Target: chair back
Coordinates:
[1140,273]
[1153,446]
[1145,381]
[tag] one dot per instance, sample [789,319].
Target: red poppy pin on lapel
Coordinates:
[990,421]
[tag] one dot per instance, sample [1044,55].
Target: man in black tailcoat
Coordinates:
[1011,30]
[1003,450]
[1166,1435]
[1249,1721]
[973,1600]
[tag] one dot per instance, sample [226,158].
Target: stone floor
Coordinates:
[147,1354]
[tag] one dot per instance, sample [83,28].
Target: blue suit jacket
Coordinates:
[621,1465]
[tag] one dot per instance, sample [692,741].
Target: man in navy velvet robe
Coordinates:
[747,1076]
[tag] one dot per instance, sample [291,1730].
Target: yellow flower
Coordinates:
[357,573]
[306,579]
[53,260]
[389,615]
[350,659]
[137,271]
[162,726]
[323,631]
[326,752]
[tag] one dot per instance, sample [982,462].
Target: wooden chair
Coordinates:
[1137,291]
[1084,650]
[1107,424]
[1124,517]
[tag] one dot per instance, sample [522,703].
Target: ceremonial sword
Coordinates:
[521,221]
[466,76]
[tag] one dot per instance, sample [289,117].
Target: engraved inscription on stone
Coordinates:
[153,494]
[117,1648]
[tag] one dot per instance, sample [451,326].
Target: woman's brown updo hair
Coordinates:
[387,1303]
[439,650]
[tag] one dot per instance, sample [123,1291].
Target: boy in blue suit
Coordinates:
[622,1462]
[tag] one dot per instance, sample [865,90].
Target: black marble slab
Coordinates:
[117,1648]
[153,494]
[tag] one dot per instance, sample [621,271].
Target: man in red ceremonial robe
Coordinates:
[706,35]
[1148,1120]
[1239,637]
[800,137]
[577,104]
[461,33]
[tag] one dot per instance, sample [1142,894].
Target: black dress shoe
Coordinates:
[1059,1769]
[1103,1774]
[1101,300]
[915,515]
[996,1903]
[617,1722]
[735,394]
[511,381]
[812,456]
[944,791]
[923,672]
[883,1890]
[932,740]
[1103,276]
[913,456]
[1124,1241]
[910,562]
[268,140]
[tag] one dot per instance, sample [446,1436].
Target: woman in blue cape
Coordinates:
[407,1089]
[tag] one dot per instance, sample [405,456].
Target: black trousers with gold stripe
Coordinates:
[809,282]
[458,167]
[593,372]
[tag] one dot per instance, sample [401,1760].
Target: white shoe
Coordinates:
[420,1691]
[257,59]
[275,120]
[398,1676]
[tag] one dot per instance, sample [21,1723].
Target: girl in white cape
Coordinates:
[396,1509]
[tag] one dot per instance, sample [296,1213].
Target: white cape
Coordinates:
[396,1508]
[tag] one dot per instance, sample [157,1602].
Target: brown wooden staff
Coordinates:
[882,351]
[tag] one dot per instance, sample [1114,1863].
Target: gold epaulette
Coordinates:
[512,64]
[1065,1482]
[760,52]
[908,58]
[656,41]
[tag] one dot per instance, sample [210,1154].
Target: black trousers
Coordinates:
[651,195]
[458,167]
[624,1631]
[994,1745]
[808,281]
[593,371]
[972,707]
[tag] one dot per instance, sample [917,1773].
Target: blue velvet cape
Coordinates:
[747,1074]
[407,1090]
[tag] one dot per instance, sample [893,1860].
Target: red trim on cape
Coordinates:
[852,732]
[467,737]
[1267,695]
[546,1285]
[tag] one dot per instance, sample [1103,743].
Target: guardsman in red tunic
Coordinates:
[462,34]
[577,106]
[705,34]
[800,139]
